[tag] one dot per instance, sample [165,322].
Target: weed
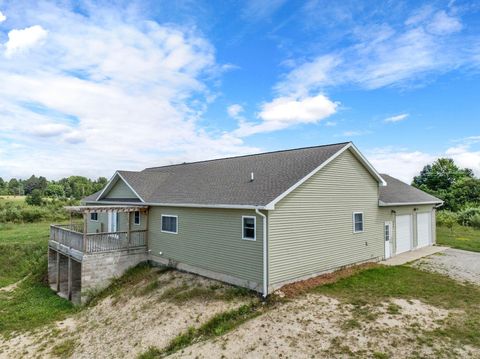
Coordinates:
[64,349]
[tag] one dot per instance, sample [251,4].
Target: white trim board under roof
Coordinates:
[113,180]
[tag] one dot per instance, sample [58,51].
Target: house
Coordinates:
[258,221]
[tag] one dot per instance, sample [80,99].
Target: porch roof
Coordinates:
[106,208]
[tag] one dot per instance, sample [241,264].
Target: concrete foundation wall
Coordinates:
[99,269]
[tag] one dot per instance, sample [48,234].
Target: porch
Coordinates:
[82,257]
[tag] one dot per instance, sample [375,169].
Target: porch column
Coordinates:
[69,278]
[85,231]
[128,230]
[147,214]
[58,271]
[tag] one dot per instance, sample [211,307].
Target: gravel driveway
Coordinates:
[458,264]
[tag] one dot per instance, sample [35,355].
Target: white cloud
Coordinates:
[106,91]
[259,9]
[284,112]
[21,40]
[234,110]
[397,118]
[330,123]
[355,133]
[2,17]
[384,56]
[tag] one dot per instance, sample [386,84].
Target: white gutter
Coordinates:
[265,243]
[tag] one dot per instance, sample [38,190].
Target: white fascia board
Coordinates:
[385,204]
[188,205]
[112,181]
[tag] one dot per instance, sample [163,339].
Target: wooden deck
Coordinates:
[72,237]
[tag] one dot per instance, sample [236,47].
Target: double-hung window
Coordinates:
[357,222]
[94,216]
[136,217]
[248,228]
[169,223]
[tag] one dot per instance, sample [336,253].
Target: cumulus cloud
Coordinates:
[2,17]
[124,92]
[22,40]
[284,112]
[397,118]
[234,110]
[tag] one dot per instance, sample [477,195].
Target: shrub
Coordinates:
[465,215]
[475,221]
[35,198]
[447,219]
[32,214]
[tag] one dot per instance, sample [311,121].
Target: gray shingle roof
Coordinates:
[398,192]
[227,181]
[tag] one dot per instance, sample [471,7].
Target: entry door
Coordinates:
[388,239]
[404,233]
[424,229]
[112,221]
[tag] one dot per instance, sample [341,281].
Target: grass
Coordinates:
[460,237]
[64,349]
[217,326]
[377,285]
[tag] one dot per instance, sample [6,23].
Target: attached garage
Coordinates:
[404,233]
[424,229]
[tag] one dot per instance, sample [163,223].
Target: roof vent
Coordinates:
[252,176]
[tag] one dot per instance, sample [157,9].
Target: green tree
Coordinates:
[34,198]
[54,190]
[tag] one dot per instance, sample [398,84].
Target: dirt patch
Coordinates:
[320,326]
[126,325]
[13,286]
[294,289]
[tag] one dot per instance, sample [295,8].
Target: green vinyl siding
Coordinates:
[102,224]
[311,229]
[209,239]
[119,190]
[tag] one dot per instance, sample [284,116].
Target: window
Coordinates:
[136,217]
[169,224]
[387,232]
[357,222]
[94,216]
[248,228]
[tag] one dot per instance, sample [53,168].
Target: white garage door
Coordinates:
[424,229]
[404,233]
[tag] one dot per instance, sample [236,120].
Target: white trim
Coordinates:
[265,253]
[363,222]
[356,153]
[254,228]
[161,223]
[111,183]
[93,220]
[222,206]
[139,218]
[384,204]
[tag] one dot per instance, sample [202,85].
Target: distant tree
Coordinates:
[3,186]
[54,190]
[13,187]
[34,198]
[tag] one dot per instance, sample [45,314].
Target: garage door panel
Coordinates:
[424,229]
[403,233]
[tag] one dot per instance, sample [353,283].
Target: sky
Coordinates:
[89,87]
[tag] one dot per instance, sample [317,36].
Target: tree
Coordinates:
[34,198]
[3,186]
[54,190]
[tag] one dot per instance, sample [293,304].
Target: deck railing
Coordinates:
[97,242]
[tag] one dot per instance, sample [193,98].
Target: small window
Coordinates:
[136,217]
[248,228]
[94,216]
[357,222]
[169,224]
[387,232]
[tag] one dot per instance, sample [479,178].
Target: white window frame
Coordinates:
[161,223]
[139,218]
[363,222]
[254,228]
[93,220]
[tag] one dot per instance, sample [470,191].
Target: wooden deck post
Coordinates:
[128,230]
[147,214]
[69,278]
[58,271]
[85,232]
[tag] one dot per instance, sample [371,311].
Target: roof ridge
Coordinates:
[249,155]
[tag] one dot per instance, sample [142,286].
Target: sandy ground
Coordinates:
[316,326]
[124,327]
[455,263]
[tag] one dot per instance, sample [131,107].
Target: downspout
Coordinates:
[265,244]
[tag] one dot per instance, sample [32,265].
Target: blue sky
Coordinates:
[90,87]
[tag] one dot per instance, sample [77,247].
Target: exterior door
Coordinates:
[388,239]
[112,221]
[424,229]
[404,233]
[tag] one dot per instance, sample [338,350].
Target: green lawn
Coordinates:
[460,237]
[376,285]
[23,254]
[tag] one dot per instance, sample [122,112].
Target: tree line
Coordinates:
[458,187]
[73,187]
